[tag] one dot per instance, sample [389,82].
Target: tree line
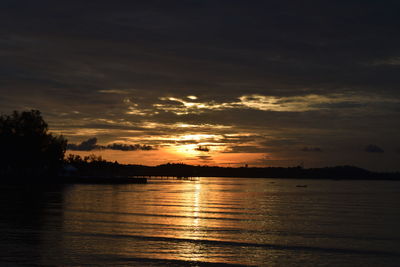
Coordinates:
[27,149]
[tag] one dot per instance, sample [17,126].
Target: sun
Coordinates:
[188,150]
[188,145]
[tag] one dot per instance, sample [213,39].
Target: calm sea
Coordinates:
[261,222]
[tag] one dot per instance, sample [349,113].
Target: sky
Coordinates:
[210,82]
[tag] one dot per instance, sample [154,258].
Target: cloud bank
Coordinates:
[91,144]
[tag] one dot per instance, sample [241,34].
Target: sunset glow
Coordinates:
[199,133]
[226,84]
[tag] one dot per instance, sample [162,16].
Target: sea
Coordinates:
[209,222]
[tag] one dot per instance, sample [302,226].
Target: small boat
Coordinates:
[301,185]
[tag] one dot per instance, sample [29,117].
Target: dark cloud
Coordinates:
[88,145]
[340,105]
[274,48]
[203,148]
[373,149]
[91,144]
[204,158]
[245,149]
[311,149]
[125,147]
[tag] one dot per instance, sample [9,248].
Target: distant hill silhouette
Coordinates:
[93,165]
[339,172]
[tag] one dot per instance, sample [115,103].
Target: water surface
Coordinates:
[262,222]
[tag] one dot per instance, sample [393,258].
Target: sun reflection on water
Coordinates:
[192,250]
[174,220]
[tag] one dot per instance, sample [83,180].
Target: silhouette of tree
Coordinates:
[26,147]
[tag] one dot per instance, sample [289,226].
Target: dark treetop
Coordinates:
[27,149]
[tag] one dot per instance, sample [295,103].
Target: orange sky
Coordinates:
[180,155]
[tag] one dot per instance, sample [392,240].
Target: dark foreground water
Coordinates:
[263,222]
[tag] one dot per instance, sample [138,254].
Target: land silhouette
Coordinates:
[93,165]
[28,150]
[29,153]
